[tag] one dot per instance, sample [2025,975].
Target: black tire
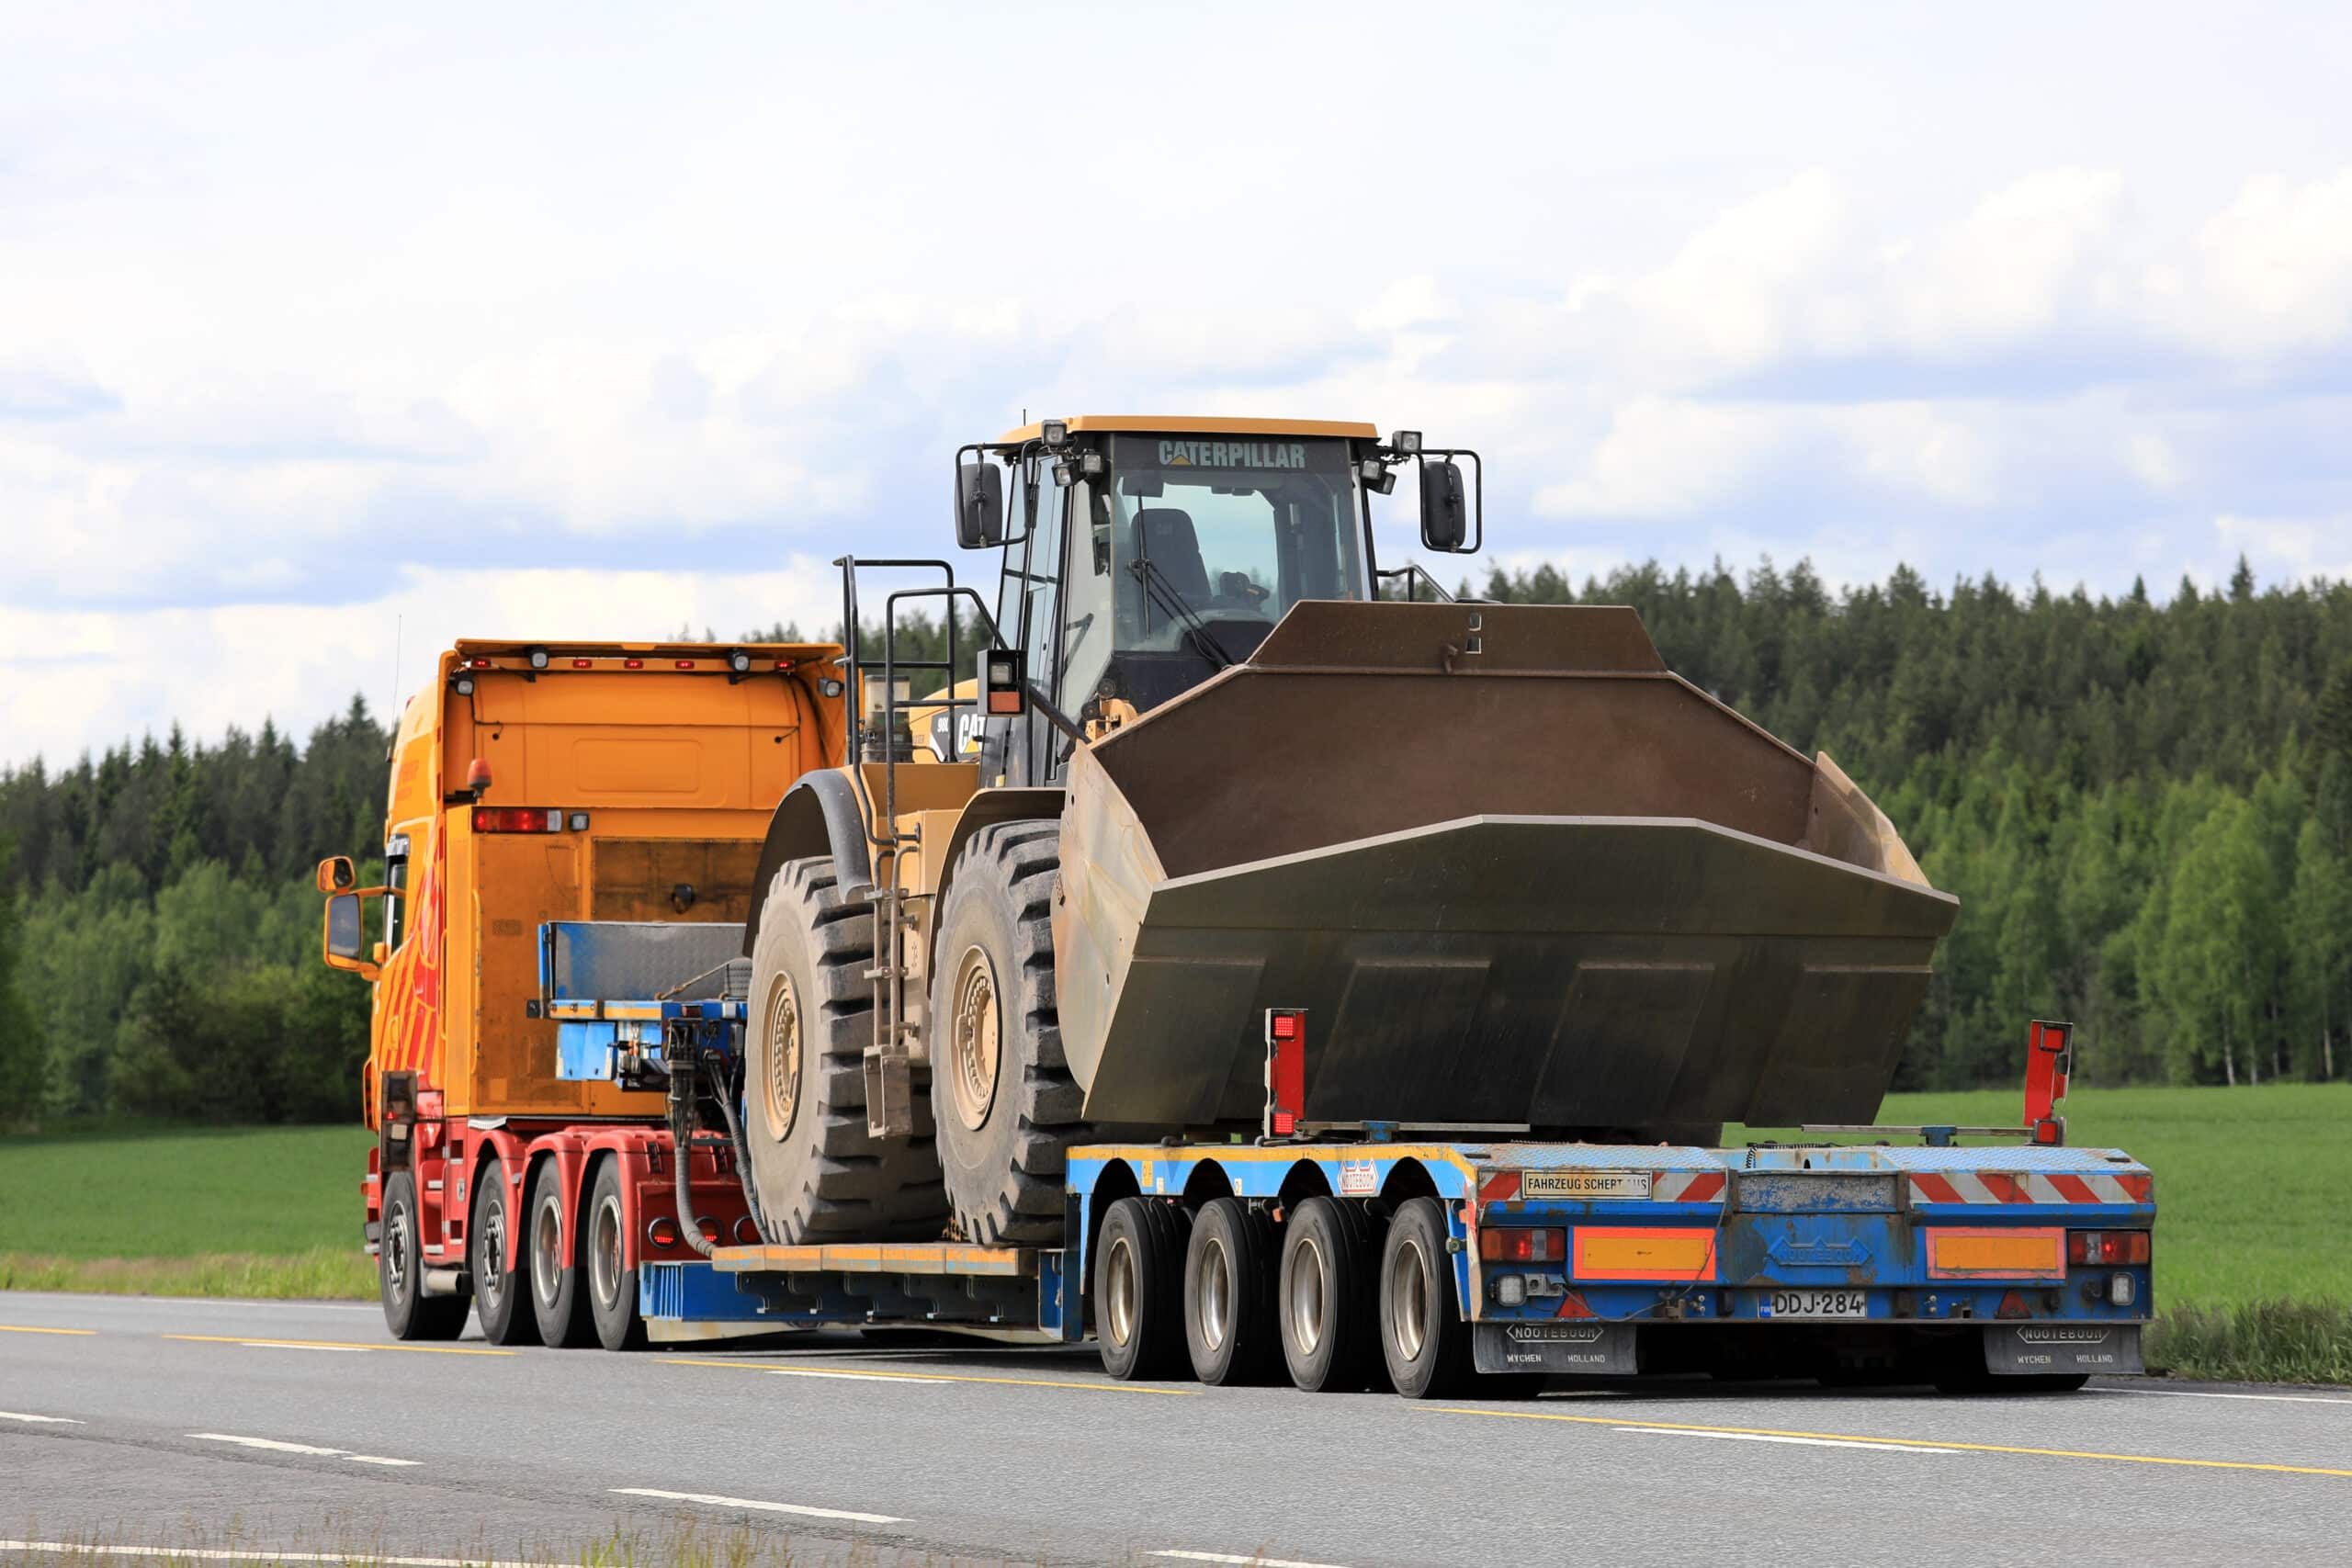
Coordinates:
[1139,1290]
[1328,1306]
[608,1261]
[1230,1328]
[400,1270]
[818,1174]
[1001,1094]
[559,1305]
[501,1294]
[1423,1341]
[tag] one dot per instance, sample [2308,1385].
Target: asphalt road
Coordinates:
[239,1427]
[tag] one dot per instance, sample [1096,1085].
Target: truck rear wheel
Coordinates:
[501,1303]
[400,1270]
[820,1175]
[608,1255]
[558,1304]
[1139,1290]
[1002,1093]
[1330,1337]
[1422,1336]
[1230,1265]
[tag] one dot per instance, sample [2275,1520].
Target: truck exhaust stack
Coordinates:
[1518,872]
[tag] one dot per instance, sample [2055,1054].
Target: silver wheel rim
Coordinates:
[1409,1302]
[1121,1290]
[1305,1295]
[547,1247]
[489,1267]
[396,1252]
[1215,1312]
[605,1236]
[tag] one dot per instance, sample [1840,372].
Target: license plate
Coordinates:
[1816,1303]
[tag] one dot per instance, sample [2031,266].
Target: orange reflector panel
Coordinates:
[1625,1252]
[1970,1252]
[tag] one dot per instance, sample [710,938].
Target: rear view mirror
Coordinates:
[336,874]
[1445,513]
[979,505]
[345,935]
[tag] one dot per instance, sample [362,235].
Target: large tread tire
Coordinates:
[1230,1327]
[409,1313]
[501,1292]
[1004,1175]
[1422,1338]
[1139,1290]
[1330,1333]
[818,1174]
[559,1299]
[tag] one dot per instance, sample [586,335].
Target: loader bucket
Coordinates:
[1516,872]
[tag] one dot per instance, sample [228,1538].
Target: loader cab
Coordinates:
[1141,557]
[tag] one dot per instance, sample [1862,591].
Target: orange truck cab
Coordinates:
[533,785]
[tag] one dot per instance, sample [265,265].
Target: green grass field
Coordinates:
[2249,1185]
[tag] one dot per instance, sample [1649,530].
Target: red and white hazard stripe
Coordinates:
[1993,1186]
[1687,1186]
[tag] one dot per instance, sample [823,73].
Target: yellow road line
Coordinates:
[942,1377]
[27,1328]
[334,1345]
[1898,1442]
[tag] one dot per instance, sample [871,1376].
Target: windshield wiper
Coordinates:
[1174,605]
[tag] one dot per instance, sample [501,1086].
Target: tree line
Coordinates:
[2145,808]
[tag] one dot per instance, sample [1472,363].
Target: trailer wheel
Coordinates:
[1139,1290]
[499,1293]
[1230,1268]
[818,1175]
[1002,1093]
[608,1256]
[558,1304]
[400,1270]
[1328,1302]
[1422,1336]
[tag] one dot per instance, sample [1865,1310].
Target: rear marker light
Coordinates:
[663,1231]
[583,663]
[1521,1243]
[632,663]
[685,663]
[2099,1248]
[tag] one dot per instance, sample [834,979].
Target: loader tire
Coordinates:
[818,1173]
[1001,1094]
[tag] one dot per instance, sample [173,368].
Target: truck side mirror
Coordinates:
[979,505]
[1445,514]
[347,936]
[336,874]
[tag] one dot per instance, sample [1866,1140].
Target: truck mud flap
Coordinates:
[1588,1349]
[2027,1350]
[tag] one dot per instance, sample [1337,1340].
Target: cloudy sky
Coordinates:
[594,322]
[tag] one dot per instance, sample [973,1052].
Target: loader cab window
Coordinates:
[1215,537]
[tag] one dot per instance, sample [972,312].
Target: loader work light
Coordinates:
[1054,434]
[1002,681]
[1406,443]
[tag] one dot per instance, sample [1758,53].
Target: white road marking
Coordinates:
[83,1549]
[293,1345]
[861,1376]
[800,1509]
[274,1446]
[44,1420]
[2201,1394]
[1228,1557]
[1806,1442]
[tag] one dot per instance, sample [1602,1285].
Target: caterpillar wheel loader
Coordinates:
[1197,758]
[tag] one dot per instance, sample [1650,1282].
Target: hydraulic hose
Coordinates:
[683,1070]
[743,1159]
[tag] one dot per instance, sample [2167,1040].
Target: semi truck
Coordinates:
[1258,961]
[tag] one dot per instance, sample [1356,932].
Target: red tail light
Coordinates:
[517,820]
[685,663]
[2099,1249]
[583,663]
[1521,1243]
[632,663]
